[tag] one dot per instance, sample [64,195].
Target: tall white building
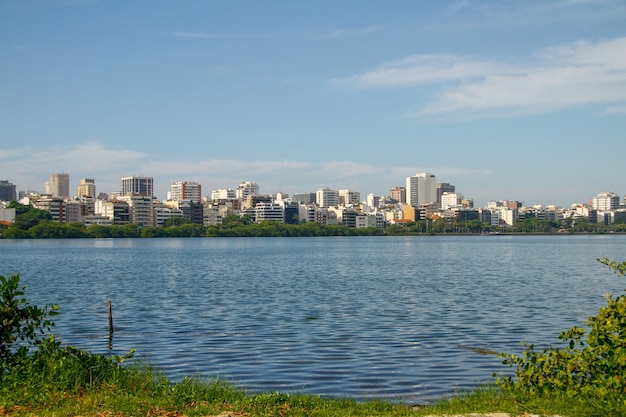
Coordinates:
[143,186]
[58,185]
[325,197]
[605,201]
[247,188]
[421,189]
[180,191]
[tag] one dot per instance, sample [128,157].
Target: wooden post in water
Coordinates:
[110,317]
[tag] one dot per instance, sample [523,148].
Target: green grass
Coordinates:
[64,381]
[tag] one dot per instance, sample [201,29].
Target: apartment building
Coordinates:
[86,188]
[223,194]
[247,188]
[116,210]
[605,201]
[349,197]
[141,186]
[325,197]
[266,211]
[398,194]
[179,191]
[140,209]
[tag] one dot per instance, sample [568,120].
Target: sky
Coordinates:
[516,100]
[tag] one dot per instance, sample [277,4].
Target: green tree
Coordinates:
[27,216]
[175,221]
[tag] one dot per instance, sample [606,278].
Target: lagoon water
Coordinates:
[401,318]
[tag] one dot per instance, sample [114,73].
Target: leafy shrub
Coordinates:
[34,365]
[22,325]
[594,366]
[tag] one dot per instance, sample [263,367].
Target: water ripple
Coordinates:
[406,319]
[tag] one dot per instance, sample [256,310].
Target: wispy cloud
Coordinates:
[420,69]
[219,35]
[354,32]
[535,13]
[573,74]
[616,109]
[29,169]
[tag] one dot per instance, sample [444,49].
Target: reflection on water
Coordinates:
[406,319]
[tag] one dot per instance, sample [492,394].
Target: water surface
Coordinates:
[366,317]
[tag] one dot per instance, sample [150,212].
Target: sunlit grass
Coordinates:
[138,390]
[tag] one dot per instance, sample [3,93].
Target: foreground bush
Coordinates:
[22,326]
[591,365]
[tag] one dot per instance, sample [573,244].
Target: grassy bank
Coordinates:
[65,381]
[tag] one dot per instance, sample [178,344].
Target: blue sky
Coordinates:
[519,100]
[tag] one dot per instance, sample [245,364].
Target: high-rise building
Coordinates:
[444,187]
[325,197]
[398,194]
[349,197]
[7,191]
[421,189]
[247,188]
[87,188]
[179,191]
[143,186]
[140,209]
[58,185]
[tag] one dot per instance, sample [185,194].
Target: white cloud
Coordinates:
[572,74]
[419,69]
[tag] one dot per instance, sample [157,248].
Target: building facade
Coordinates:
[349,197]
[143,186]
[223,194]
[86,188]
[58,185]
[7,191]
[140,210]
[269,212]
[605,201]
[398,194]
[247,188]
[444,187]
[191,191]
[325,197]
[421,189]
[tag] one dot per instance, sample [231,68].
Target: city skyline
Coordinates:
[518,101]
[149,185]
